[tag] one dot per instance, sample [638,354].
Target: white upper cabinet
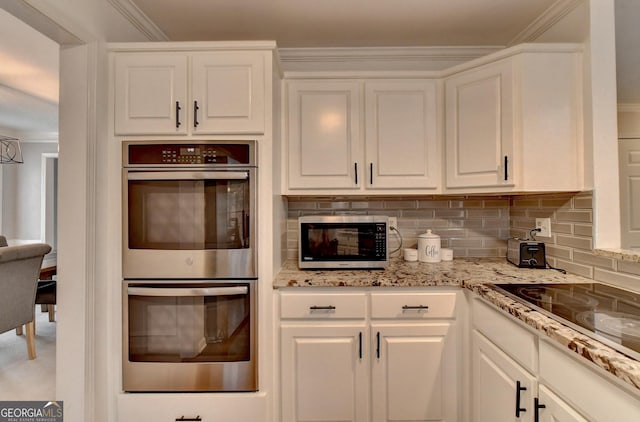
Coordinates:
[401,145]
[516,124]
[215,92]
[324,135]
[479,126]
[151,93]
[228,92]
[357,136]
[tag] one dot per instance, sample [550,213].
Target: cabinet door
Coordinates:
[324,135]
[479,127]
[324,373]
[555,409]
[228,92]
[414,372]
[494,385]
[401,144]
[150,94]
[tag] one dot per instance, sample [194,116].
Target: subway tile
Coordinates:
[554,202]
[483,253]
[540,213]
[474,204]
[484,233]
[517,213]
[582,229]
[494,243]
[399,204]
[496,203]
[424,214]
[573,268]
[558,251]
[450,233]
[449,213]
[575,242]
[367,205]
[629,267]
[525,203]
[493,223]
[574,216]
[302,205]
[591,259]
[565,228]
[334,205]
[433,204]
[483,212]
[580,202]
[619,279]
[473,243]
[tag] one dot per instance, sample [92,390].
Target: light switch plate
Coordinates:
[544,224]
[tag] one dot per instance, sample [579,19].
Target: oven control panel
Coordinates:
[187,154]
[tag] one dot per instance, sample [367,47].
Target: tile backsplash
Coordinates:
[570,246]
[472,226]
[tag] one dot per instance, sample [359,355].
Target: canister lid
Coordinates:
[428,234]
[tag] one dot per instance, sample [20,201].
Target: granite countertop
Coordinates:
[476,275]
[459,272]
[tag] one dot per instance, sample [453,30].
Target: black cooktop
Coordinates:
[610,314]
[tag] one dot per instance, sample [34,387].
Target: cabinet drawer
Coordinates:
[519,343]
[323,305]
[413,306]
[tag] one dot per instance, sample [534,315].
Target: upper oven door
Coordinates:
[188,223]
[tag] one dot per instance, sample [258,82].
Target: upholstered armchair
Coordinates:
[19,272]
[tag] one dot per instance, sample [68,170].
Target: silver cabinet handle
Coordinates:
[187,175]
[187,291]
[415,307]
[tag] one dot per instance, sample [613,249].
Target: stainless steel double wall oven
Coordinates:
[189,266]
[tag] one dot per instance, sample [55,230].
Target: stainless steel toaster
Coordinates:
[526,253]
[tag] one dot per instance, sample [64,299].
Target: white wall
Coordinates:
[21,193]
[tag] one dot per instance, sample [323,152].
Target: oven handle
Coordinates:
[187,291]
[188,175]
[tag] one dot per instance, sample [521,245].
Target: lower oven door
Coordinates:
[189,336]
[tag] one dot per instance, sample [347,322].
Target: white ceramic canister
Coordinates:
[429,247]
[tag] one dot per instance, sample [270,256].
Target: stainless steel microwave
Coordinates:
[335,242]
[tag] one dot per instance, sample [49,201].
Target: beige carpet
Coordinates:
[24,379]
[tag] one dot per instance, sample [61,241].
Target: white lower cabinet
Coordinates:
[324,373]
[413,372]
[337,365]
[532,379]
[502,390]
[555,409]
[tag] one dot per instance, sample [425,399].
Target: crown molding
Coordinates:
[356,54]
[139,19]
[546,20]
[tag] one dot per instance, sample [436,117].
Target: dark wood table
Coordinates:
[48,269]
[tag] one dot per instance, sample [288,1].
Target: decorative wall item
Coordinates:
[10,152]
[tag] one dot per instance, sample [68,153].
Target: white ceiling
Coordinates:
[346,23]
[29,70]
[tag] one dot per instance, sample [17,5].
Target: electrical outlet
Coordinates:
[393,222]
[544,224]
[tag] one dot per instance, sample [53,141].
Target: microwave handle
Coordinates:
[187,291]
[188,175]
